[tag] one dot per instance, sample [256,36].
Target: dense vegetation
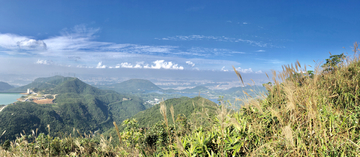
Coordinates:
[5,86]
[134,86]
[42,83]
[304,114]
[77,105]
[183,107]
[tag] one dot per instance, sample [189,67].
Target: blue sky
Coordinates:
[254,36]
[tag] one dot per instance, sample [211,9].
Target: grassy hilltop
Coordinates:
[304,114]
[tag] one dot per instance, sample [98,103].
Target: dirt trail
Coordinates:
[2,108]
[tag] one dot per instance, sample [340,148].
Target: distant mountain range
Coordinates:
[77,105]
[144,86]
[5,86]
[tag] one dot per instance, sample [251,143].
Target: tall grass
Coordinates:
[302,115]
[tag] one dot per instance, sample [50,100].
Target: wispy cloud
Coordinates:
[223,69]
[244,23]
[31,44]
[190,63]
[46,62]
[275,61]
[77,40]
[244,70]
[272,61]
[260,51]
[100,66]
[206,52]
[218,38]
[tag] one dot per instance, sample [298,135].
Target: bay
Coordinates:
[8,98]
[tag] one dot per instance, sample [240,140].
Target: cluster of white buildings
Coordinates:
[153,102]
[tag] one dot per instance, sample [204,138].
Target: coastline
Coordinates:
[12,99]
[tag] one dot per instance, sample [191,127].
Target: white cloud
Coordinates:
[147,66]
[158,64]
[126,65]
[165,65]
[223,69]
[258,72]
[31,44]
[190,63]
[139,65]
[229,21]
[245,23]
[100,66]
[9,41]
[260,51]
[244,70]
[45,62]
[77,40]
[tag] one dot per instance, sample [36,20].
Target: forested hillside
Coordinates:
[77,105]
[134,86]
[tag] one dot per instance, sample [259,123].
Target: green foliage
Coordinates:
[182,106]
[333,62]
[135,86]
[49,97]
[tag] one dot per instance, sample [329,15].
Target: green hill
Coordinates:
[42,84]
[5,86]
[182,106]
[77,105]
[135,86]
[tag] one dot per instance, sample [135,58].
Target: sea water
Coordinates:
[8,98]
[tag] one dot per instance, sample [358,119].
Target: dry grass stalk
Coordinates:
[163,112]
[117,131]
[172,113]
[239,75]
[288,134]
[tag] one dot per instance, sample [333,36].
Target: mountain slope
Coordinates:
[42,83]
[135,86]
[5,86]
[182,106]
[77,105]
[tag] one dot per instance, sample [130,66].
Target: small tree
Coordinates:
[333,62]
